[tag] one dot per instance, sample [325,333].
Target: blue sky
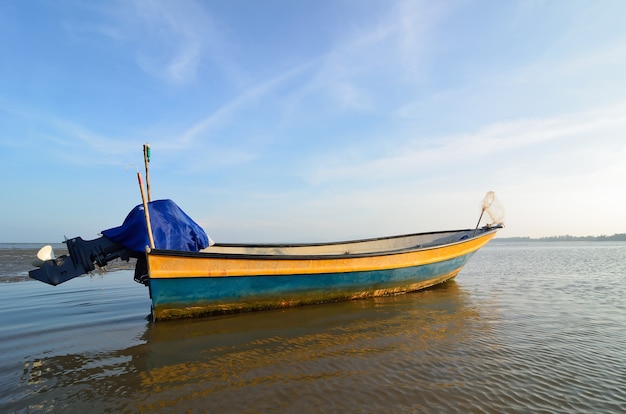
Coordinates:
[313,120]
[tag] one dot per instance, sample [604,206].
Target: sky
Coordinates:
[313,120]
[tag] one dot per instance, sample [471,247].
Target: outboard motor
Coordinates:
[82,258]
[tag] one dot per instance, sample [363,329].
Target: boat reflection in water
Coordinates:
[368,355]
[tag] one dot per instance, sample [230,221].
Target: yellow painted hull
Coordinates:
[231,278]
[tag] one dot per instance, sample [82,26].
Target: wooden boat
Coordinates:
[223,278]
[232,278]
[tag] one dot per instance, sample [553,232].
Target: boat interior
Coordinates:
[365,246]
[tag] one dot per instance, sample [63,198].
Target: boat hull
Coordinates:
[186,285]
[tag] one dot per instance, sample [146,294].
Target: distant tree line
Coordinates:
[615,237]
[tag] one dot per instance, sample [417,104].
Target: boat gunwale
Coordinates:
[221,255]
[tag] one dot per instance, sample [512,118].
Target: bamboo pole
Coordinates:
[146,161]
[146,211]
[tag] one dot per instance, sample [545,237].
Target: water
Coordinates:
[526,327]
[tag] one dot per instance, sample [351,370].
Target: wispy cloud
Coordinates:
[234,108]
[64,139]
[171,40]
[182,29]
[341,74]
[390,50]
[522,140]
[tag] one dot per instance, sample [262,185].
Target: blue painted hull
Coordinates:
[197,296]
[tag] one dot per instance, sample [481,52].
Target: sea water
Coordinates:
[525,327]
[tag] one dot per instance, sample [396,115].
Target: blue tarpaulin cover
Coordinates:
[172,229]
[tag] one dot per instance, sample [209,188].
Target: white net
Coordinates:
[491,210]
